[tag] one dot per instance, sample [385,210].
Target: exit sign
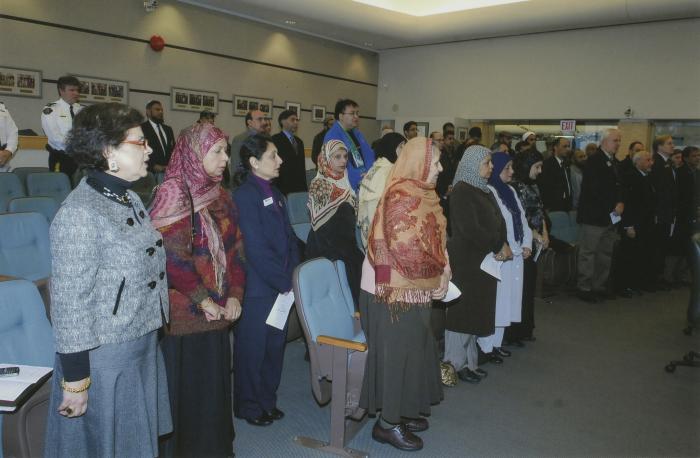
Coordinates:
[567,126]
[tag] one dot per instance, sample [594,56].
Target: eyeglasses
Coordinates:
[143,142]
[353,113]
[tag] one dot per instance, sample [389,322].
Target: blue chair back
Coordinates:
[10,187]
[564,227]
[46,206]
[25,333]
[299,214]
[24,246]
[326,300]
[50,184]
[23,172]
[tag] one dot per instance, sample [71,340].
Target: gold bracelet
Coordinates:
[75,390]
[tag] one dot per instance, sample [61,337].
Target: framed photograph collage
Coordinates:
[93,89]
[182,99]
[20,81]
[242,104]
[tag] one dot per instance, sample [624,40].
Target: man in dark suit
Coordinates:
[318,139]
[637,231]
[600,207]
[290,148]
[160,138]
[663,177]
[555,180]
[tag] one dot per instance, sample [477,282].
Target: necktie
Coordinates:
[72,114]
[162,137]
[294,143]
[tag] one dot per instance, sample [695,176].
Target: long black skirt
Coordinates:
[524,329]
[402,376]
[199,382]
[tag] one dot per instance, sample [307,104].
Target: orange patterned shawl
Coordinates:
[407,240]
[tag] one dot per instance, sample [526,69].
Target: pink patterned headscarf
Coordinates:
[185,177]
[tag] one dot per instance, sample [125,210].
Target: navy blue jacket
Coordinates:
[271,251]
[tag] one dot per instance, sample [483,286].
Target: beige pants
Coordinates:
[595,255]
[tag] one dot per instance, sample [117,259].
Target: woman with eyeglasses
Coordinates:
[108,298]
[199,223]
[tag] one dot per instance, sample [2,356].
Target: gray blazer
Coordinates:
[108,282]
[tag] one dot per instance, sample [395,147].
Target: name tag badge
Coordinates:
[267,201]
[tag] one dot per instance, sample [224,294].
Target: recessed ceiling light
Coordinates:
[423,8]
[290,22]
[369,44]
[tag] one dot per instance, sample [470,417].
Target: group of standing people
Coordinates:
[143,301]
[198,261]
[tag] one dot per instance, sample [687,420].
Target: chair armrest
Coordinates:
[343,343]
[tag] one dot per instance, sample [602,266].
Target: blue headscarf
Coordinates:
[506,193]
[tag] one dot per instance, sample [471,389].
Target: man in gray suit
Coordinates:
[255,124]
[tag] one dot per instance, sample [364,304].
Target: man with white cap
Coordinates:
[530,138]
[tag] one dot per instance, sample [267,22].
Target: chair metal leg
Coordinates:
[688,361]
[342,429]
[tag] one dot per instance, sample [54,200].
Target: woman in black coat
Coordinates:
[478,231]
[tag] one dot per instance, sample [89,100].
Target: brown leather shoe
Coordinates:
[416,425]
[399,436]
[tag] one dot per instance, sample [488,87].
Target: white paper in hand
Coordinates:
[280,310]
[452,293]
[491,266]
[615,218]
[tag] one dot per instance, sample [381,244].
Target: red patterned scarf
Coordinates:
[188,188]
[407,240]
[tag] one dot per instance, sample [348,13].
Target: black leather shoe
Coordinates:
[502,352]
[416,425]
[262,420]
[399,436]
[481,373]
[587,296]
[469,376]
[494,358]
[275,414]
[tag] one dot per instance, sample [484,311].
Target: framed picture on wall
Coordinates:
[318,113]
[295,107]
[20,82]
[94,89]
[242,104]
[182,99]
[423,129]
[462,134]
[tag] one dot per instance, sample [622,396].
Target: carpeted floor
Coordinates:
[593,384]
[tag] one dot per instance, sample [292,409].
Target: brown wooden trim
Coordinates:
[338,342]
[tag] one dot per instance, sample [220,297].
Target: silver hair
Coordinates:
[638,156]
[608,132]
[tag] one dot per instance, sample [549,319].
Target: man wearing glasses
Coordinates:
[360,154]
[256,122]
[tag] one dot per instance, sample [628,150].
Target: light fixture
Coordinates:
[368,44]
[423,8]
[290,22]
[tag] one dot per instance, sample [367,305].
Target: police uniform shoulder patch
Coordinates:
[47,110]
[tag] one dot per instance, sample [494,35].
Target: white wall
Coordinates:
[582,74]
[57,51]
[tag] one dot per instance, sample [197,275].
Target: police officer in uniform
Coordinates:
[8,138]
[57,121]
